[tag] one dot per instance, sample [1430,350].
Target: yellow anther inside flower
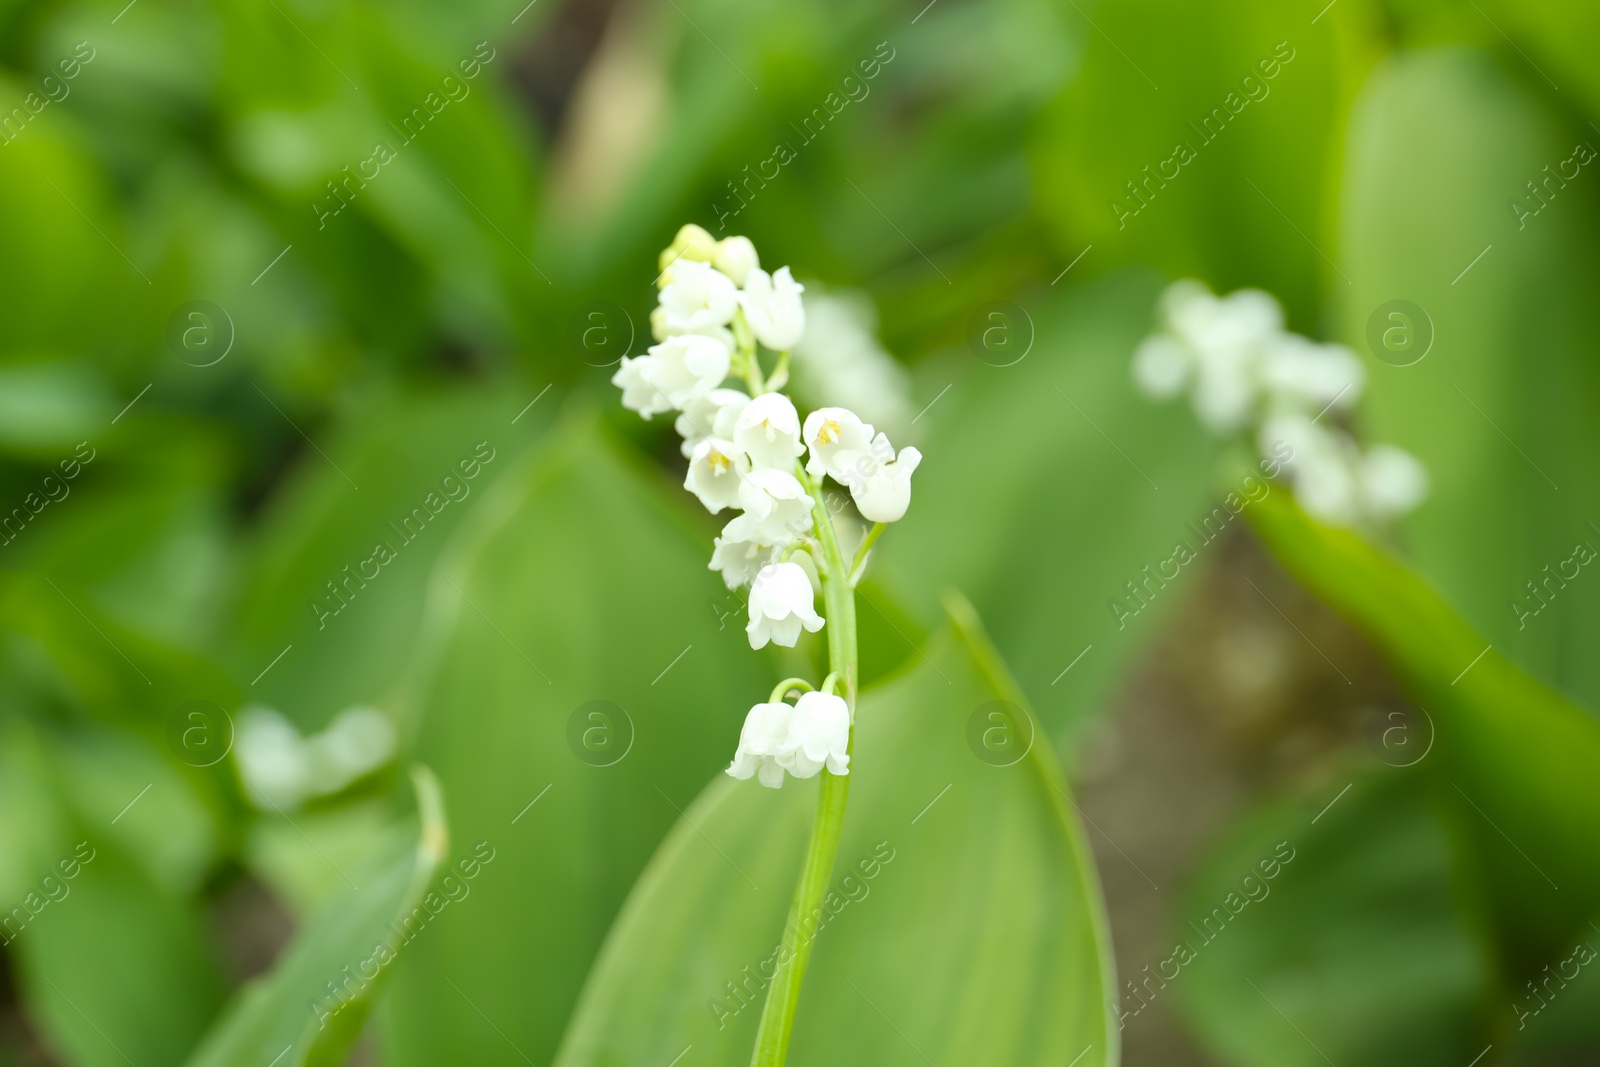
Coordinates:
[719,462]
[829,433]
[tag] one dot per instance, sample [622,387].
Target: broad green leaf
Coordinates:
[313,1003]
[579,578]
[1340,912]
[1048,486]
[407,490]
[1515,760]
[114,968]
[1549,38]
[1501,409]
[966,923]
[1199,138]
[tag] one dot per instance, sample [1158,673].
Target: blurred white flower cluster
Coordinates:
[840,361]
[281,769]
[717,309]
[1246,372]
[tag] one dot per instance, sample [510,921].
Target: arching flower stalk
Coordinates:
[750,452]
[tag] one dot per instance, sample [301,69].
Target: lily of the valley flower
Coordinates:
[1393,481]
[714,474]
[777,509]
[687,368]
[1336,482]
[767,432]
[819,730]
[691,243]
[764,738]
[781,604]
[1217,344]
[698,298]
[1299,372]
[739,561]
[844,448]
[800,740]
[773,309]
[639,393]
[837,440]
[1244,368]
[882,491]
[712,415]
[736,257]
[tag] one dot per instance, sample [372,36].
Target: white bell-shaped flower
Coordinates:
[1228,338]
[739,561]
[882,490]
[837,440]
[357,742]
[781,604]
[639,393]
[801,740]
[714,474]
[1322,466]
[773,309]
[819,736]
[272,759]
[767,431]
[777,509]
[1163,366]
[1298,371]
[686,368]
[712,415]
[736,257]
[762,742]
[697,298]
[1393,481]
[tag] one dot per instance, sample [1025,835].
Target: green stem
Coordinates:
[751,363]
[782,689]
[860,563]
[783,996]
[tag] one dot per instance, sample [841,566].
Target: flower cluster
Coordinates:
[801,739]
[750,453]
[1245,371]
[280,768]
